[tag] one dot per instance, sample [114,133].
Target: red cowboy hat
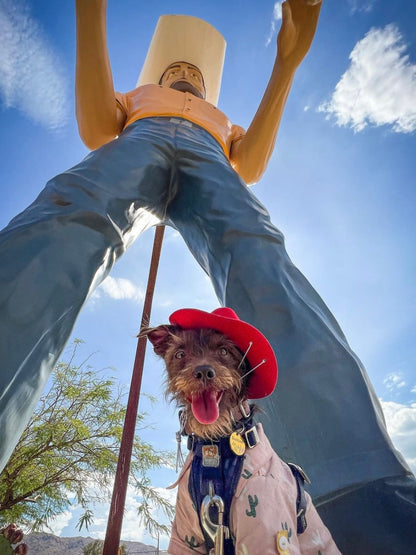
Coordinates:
[260,355]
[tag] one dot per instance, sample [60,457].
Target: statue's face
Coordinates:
[184,77]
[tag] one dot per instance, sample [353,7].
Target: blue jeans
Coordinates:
[324,414]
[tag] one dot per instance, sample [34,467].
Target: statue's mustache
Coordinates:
[184,86]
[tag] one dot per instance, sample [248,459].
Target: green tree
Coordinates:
[96,548]
[68,453]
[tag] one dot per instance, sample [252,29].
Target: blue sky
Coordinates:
[340,184]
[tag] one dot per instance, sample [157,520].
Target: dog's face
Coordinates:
[204,375]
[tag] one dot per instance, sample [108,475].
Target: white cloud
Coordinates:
[60,522]
[173,235]
[277,11]
[394,381]
[132,529]
[401,425]
[361,5]
[379,87]
[118,289]
[130,519]
[277,16]
[31,75]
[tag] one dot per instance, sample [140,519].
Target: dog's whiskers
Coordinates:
[245,354]
[252,369]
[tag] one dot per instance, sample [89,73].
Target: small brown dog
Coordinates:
[235,494]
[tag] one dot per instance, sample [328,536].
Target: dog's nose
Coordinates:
[204,372]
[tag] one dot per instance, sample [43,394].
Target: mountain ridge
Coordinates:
[41,543]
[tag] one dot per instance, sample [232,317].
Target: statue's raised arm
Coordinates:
[99,120]
[250,155]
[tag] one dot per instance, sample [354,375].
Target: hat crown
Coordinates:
[225,312]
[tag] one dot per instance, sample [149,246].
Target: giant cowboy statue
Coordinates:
[165,151]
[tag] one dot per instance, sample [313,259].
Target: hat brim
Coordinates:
[264,378]
[184,38]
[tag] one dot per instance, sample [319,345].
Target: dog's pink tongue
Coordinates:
[205,406]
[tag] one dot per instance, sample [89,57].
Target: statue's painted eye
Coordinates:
[179,354]
[223,351]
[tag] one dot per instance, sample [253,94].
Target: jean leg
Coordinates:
[55,252]
[375,519]
[324,414]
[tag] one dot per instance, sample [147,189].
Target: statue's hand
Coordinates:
[299,21]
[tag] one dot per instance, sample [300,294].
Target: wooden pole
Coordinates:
[115,519]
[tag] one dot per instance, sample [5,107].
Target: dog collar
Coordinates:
[250,438]
[243,436]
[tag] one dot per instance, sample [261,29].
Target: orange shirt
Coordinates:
[154,101]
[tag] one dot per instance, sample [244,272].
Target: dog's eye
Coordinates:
[223,352]
[179,354]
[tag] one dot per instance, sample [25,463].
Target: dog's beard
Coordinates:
[207,403]
[207,408]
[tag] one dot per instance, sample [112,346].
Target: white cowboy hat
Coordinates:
[184,38]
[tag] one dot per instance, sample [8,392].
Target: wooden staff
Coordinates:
[115,519]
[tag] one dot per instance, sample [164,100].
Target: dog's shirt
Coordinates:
[263,517]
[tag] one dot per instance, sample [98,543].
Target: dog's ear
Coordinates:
[160,338]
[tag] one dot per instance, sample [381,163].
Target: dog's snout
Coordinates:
[204,372]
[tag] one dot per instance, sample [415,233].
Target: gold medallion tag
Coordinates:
[237,444]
